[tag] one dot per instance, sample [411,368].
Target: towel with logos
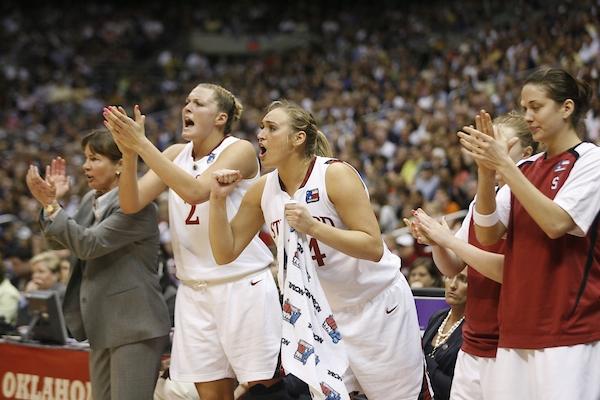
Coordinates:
[311,347]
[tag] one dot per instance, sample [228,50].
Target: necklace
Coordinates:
[443,337]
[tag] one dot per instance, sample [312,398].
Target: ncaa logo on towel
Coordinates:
[303,351]
[211,158]
[330,327]
[296,260]
[312,195]
[290,313]
[329,393]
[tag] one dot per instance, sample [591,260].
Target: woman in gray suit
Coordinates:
[113,298]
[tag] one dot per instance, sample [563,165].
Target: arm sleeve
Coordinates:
[115,231]
[44,222]
[463,232]
[503,204]
[580,195]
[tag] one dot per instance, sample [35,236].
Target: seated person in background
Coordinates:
[404,247]
[45,275]
[424,274]
[443,336]
[9,300]
[19,271]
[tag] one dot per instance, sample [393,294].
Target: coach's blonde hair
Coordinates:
[227,103]
[302,120]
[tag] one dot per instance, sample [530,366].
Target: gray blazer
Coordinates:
[113,296]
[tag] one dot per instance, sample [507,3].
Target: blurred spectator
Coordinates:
[427,182]
[9,299]
[424,274]
[405,249]
[19,269]
[385,213]
[442,203]
[45,275]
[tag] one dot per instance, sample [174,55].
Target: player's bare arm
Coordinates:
[229,239]
[362,239]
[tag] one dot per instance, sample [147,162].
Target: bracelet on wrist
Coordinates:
[51,208]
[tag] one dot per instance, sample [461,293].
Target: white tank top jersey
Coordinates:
[189,227]
[346,280]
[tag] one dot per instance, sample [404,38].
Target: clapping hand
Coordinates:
[486,143]
[417,232]
[44,191]
[56,175]
[437,233]
[128,133]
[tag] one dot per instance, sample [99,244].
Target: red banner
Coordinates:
[43,373]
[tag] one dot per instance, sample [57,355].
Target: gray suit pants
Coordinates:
[127,372]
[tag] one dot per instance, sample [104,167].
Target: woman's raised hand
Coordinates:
[42,190]
[56,174]
[485,143]
[128,133]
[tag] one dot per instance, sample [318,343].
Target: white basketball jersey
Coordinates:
[189,227]
[346,280]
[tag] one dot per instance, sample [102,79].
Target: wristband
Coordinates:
[485,220]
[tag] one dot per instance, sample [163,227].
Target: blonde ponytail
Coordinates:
[322,146]
[227,103]
[302,120]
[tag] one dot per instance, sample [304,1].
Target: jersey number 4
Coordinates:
[189,220]
[316,252]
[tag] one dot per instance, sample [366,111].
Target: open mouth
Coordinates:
[261,150]
[187,122]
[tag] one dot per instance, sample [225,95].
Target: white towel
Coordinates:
[311,346]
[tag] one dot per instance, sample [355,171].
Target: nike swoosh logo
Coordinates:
[255,282]
[390,311]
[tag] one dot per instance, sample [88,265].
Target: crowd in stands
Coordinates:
[390,86]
